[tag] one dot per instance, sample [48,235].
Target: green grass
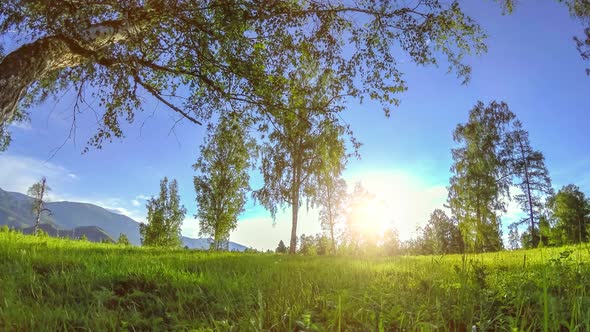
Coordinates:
[52,284]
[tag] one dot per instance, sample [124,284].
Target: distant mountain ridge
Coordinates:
[15,211]
[92,233]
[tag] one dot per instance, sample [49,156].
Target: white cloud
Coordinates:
[190,227]
[260,233]
[135,203]
[18,173]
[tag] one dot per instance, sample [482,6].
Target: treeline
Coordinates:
[494,163]
[302,162]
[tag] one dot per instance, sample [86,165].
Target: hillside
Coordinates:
[15,211]
[92,233]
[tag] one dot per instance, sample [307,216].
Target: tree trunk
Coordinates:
[21,68]
[331,221]
[534,239]
[31,62]
[294,213]
[40,206]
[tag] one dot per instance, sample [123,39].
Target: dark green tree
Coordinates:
[281,248]
[303,143]
[481,175]
[532,178]
[39,192]
[570,210]
[441,235]
[222,183]
[222,52]
[307,245]
[164,218]
[123,240]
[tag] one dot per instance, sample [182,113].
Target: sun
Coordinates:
[371,218]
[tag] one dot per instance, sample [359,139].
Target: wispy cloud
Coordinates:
[18,173]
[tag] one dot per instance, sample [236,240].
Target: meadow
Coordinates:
[49,284]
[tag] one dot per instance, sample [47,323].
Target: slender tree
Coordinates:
[532,178]
[39,191]
[222,52]
[164,219]
[303,144]
[481,175]
[331,200]
[222,183]
[513,236]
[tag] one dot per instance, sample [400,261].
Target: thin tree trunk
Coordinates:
[331,221]
[40,206]
[534,239]
[294,213]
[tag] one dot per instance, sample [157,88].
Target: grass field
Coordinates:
[51,284]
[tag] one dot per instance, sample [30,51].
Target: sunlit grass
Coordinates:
[51,284]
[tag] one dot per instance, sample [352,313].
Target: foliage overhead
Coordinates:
[196,57]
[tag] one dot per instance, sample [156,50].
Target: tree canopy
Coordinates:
[164,217]
[197,56]
[222,183]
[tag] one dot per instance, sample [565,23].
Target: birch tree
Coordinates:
[302,143]
[194,57]
[39,192]
[482,175]
[222,182]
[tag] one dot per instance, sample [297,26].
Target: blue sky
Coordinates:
[532,64]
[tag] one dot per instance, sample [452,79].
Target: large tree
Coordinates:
[222,183]
[39,192]
[481,175]
[532,178]
[570,210]
[303,144]
[196,56]
[164,218]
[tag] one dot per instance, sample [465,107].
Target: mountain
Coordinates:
[92,233]
[204,243]
[15,211]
